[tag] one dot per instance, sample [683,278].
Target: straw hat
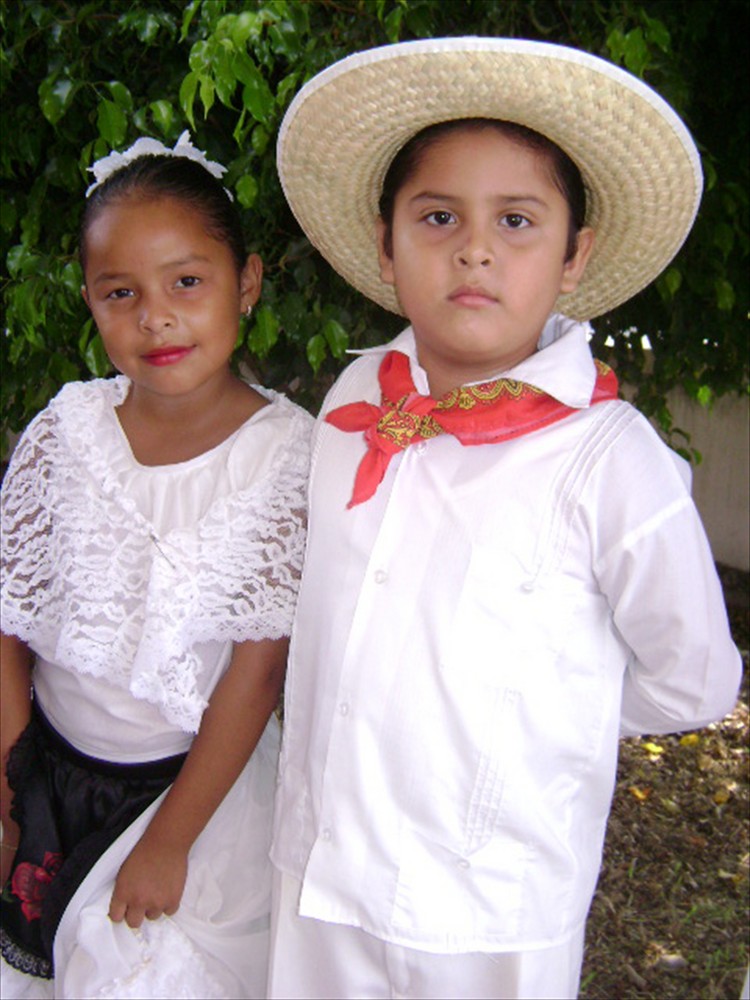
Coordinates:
[639,164]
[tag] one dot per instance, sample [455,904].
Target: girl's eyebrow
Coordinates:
[195,258]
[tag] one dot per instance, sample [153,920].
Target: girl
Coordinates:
[153,527]
[504,566]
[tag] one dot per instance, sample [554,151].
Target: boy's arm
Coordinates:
[15,712]
[152,878]
[668,605]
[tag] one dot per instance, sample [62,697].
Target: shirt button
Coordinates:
[325,834]
[421,448]
[343,708]
[380,576]
[463,863]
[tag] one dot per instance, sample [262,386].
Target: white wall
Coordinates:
[721,483]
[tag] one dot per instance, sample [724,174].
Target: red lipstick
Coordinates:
[168,355]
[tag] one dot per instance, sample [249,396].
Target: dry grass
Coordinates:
[670,915]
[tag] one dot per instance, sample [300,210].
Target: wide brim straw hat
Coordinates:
[639,163]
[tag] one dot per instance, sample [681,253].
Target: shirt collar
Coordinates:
[562,365]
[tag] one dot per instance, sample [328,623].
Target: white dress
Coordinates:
[131,583]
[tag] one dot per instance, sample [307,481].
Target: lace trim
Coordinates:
[91,587]
[19,959]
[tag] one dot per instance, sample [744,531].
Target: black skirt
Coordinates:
[70,809]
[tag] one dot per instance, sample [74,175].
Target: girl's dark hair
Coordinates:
[564,173]
[170,177]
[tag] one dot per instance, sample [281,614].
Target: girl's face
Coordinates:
[165,294]
[479,241]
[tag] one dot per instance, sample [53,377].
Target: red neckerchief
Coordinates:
[475,414]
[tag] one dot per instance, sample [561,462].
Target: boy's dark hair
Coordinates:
[564,173]
[171,177]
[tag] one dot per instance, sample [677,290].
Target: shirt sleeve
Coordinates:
[654,565]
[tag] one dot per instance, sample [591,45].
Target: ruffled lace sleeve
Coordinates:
[26,531]
[92,586]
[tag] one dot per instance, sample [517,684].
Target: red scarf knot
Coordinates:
[475,414]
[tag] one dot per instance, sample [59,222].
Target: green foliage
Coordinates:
[77,79]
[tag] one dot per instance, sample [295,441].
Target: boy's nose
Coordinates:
[475,252]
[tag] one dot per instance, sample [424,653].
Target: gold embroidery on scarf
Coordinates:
[400,427]
[467,396]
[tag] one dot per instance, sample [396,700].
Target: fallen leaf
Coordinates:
[640,793]
[653,748]
[690,740]
[671,962]
[723,795]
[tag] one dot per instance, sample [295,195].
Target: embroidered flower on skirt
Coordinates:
[30,883]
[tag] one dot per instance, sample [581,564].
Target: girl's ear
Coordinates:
[573,269]
[384,252]
[251,280]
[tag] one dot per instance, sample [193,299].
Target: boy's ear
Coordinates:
[384,252]
[251,281]
[574,268]
[85,295]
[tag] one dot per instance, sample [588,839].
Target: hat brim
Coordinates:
[639,164]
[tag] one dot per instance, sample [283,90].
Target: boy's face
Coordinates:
[479,238]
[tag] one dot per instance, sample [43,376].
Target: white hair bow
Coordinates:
[145,146]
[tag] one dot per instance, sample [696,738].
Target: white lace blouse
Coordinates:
[136,580]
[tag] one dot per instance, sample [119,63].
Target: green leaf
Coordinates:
[392,24]
[264,332]
[121,95]
[163,114]
[96,358]
[188,87]
[8,216]
[336,337]
[257,97]
[245,25]
[725,296]
[259,140]
[636,52]
[111,122]
[316,351]
[187,17]
[657,32]
[705,395]
[207,90]
[55,96]
[247,190]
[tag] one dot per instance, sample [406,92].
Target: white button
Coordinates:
[463,863]
[380,576]
[343,708]
[421,447]
[325,834]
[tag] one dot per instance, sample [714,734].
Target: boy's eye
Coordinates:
[440,218]
[119,293]
[515,221]
[188,281]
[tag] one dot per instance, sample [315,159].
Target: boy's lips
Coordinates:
[168,355]
[473,296]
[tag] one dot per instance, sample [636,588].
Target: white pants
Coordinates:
[313,959]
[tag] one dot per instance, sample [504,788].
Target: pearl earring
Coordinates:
[249,311]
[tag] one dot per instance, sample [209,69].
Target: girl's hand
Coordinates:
[149,884]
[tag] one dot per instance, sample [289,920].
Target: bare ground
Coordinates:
[670,915]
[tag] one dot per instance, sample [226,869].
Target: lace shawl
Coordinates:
[89,585]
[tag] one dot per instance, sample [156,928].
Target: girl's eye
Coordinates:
[440,218]
[515,221]
[119,293]
[188,281]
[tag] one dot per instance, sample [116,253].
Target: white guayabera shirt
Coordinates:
[469,645]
